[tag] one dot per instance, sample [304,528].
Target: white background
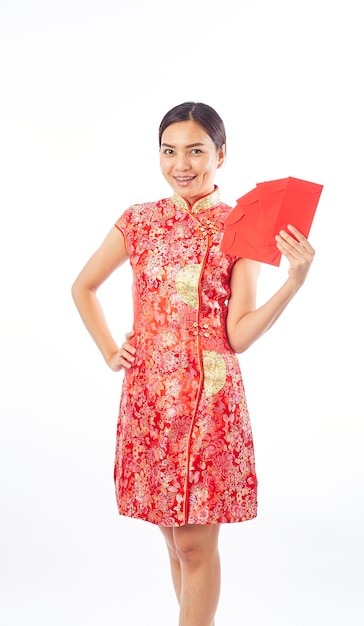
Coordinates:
[83,86]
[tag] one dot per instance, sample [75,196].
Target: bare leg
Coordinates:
[174,560]
[195,566]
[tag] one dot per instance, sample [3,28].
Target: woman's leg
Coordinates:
[174,560]
[195,565]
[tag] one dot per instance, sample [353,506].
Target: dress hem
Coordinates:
[190,523]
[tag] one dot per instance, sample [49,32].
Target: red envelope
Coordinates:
[259,215]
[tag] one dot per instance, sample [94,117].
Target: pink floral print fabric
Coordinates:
[184,447]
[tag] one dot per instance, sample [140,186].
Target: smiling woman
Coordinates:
[191,150]
[184,452]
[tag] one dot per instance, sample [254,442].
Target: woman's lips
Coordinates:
[184,180]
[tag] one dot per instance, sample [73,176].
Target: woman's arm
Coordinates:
[109,256]
[246,323]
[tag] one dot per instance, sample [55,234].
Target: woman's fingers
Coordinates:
[302,240]
[295,245]
[125,356]
[127,351]
[298,251]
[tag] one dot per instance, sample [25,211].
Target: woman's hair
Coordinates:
[201,113]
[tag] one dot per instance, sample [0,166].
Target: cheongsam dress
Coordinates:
[184,446]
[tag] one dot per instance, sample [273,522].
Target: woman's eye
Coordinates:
[196,151]
[168,151]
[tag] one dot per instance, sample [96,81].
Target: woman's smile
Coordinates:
[184,180]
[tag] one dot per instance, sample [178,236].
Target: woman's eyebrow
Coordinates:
[191,145]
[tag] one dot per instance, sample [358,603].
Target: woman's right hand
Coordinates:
[124,357]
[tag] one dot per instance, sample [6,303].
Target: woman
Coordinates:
[184,455]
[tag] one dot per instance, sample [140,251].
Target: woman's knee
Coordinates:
[195,544]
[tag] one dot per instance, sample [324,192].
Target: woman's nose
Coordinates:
[181,163]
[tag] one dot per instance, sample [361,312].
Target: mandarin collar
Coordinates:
[202,204]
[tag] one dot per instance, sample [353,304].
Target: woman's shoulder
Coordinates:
[224,208]
[143,212]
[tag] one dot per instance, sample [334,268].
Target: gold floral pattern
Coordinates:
[214,372]
[184,446]
[187,283]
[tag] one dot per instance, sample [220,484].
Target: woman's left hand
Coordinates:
[298,251]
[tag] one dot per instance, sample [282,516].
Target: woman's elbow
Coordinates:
[239,348]
[236,343]
[77,290]
[74,290]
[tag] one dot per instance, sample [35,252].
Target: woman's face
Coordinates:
[189,160]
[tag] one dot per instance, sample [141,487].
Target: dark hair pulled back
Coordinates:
[200,113]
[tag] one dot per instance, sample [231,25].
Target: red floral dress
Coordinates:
[184,448]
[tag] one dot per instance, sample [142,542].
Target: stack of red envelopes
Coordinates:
[260,214]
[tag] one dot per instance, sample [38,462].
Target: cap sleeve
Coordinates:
[125,225]
[135,224]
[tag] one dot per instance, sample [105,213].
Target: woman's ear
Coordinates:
[221,156]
